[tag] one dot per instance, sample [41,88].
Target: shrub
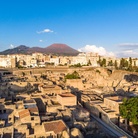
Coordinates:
[74,75]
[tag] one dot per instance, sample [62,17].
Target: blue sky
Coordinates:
[106,25]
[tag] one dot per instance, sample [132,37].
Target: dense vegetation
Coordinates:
[125,64]
[102,62]
[76,65]
[74,75]
[129,109]
[128,65]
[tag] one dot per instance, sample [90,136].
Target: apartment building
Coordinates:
[7,61]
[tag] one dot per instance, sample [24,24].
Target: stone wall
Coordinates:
[111,104]
[75,83]
[67,101]
[53,108]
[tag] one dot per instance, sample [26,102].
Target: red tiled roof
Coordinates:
[24,113]
[56,126]
[29,101]
[33,110]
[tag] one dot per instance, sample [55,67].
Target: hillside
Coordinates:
[22,49]
[60,49]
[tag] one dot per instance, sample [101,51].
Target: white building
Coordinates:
[81,58]
[7,61]
[93,58]
[55,60]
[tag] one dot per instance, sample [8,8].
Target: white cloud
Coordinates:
[12,46]
[93,48]
[128,53]
[40,40]
[128,50]
[129,46]
[45,31]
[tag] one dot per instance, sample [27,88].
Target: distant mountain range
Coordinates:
[59,49]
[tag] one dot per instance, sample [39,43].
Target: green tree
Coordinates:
[130,68]
[74,75]
[123,64]
[134,63]
[130,60]
[89,62]
[104,62]
[115,64]
[129,109]
[76,65]
[110,63]
[99,61]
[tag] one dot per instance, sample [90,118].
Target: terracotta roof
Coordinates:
[55,126]
[33,110]
[24,113]
[29,101]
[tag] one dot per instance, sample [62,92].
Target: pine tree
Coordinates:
[89,62]
[130,68]
[104,62]
[116,65]
[123,64]
[110,63]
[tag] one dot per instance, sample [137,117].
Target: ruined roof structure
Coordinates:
[24,113]
[55,126]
